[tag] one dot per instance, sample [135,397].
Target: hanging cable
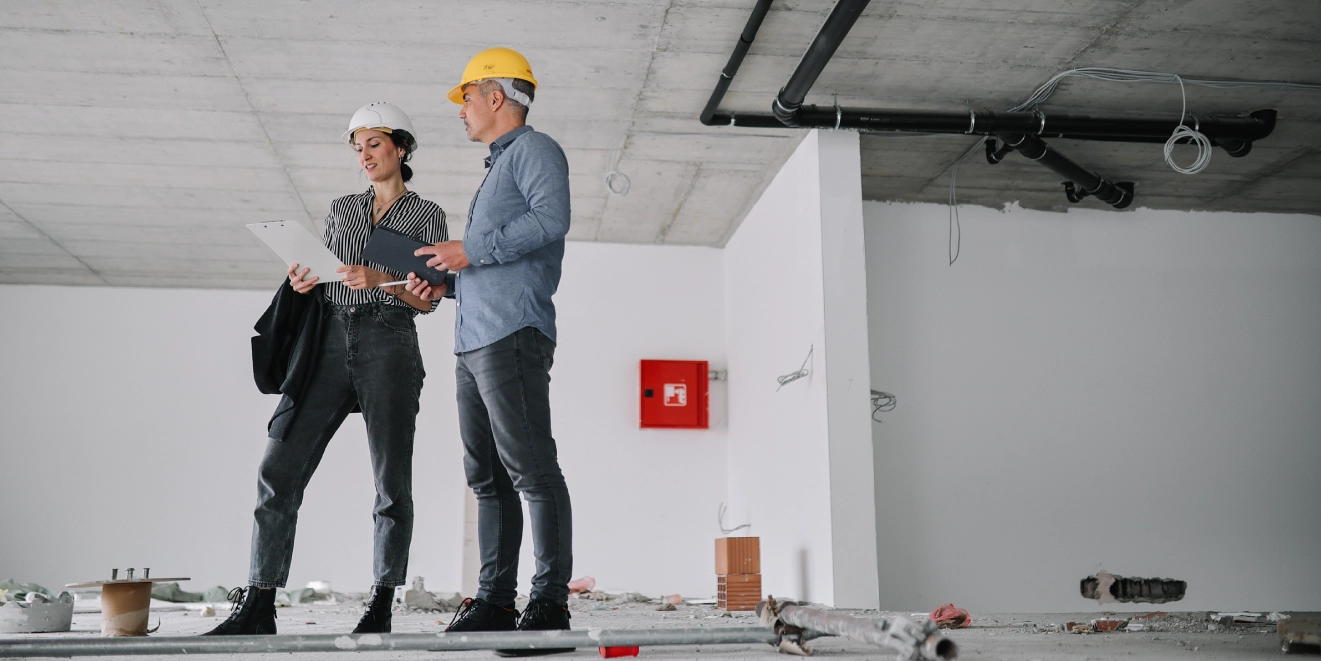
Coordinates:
[1181,132]
[882,402]
[720,520]
[802,371]
[616,182]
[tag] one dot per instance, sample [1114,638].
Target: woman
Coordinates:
[367,357]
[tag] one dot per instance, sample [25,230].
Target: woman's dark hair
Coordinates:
[405,141]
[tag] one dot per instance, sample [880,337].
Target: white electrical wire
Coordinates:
[617,182]
[1183,131]
[1119,76]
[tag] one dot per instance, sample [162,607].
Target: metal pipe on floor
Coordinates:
[390,642]
[913,641]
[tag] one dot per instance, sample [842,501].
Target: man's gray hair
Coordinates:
[521,86]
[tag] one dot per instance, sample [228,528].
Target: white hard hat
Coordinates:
[381,116]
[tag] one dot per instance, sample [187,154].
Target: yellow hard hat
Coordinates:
[493,63]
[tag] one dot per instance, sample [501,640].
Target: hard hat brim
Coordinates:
[456,94]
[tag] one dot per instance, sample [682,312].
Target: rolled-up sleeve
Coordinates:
[541,171]
[435,231]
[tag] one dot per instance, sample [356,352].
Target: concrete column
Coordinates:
[848,378]
[800,461]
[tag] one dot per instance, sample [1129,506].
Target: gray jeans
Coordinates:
[369,357]
[504,419]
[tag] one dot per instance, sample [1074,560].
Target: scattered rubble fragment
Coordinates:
[37,612]
[584,584]
[1299,633]
[950,616]
[1106,588]
[417,598]
[667,607]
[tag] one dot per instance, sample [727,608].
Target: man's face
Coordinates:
[477,114]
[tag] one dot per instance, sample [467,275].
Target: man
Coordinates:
[506,269]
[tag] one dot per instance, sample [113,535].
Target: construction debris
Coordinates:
[37,612]
[738,573]
[584,584]
[125,603]
[913,641]
[950,616]
[1103,625]
[1299,633]
[1106,588]
[418,598]
[11,590]
[667,607]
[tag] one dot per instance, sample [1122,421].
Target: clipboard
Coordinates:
[295,245]
[394,250]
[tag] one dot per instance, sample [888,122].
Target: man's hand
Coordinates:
[361,277]
[449,255]
[423,289]
[297,282]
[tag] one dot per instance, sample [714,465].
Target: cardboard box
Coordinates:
[738,555]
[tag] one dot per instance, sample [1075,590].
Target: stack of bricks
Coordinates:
[738,573]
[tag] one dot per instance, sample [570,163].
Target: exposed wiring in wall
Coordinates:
[882,402]
[1181,132]
[617,182]
[955,226]
[802,371]
[720,520]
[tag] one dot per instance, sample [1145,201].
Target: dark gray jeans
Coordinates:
[369,357]
[504,419]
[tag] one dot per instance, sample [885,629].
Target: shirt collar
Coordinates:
[498,145]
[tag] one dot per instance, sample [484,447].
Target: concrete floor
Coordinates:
[992,636]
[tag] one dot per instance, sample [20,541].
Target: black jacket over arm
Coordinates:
[285,350]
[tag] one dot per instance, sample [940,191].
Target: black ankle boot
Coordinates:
[377,617]
[253,613]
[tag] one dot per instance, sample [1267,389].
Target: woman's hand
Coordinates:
[361,277]
[298,283]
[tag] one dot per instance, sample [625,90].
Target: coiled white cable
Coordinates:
[1183,131]
[617,182]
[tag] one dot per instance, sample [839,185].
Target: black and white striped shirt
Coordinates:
[349,225]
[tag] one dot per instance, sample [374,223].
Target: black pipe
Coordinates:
[1117,195]
[735,60]
[832,33]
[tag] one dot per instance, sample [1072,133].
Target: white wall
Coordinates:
[799,455]
[130,432]
[1134,391]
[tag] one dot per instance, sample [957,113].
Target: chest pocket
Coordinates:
[492,183]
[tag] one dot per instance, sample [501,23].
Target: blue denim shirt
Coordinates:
[515,241]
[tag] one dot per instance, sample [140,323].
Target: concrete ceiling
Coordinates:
[142,136]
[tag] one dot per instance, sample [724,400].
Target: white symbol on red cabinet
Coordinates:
[676,394]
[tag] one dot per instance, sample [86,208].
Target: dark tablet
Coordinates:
[394,250]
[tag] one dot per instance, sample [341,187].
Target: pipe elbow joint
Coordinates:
[787,113]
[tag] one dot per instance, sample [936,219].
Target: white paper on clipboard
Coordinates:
[295,245]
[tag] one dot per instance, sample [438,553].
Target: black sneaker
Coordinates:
[482,615]
[541,615]
[252,614]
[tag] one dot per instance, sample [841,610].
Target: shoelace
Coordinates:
[466,606]
[235,598]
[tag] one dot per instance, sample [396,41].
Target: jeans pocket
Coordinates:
[397,320]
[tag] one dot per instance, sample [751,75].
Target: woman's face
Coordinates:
[377,155]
